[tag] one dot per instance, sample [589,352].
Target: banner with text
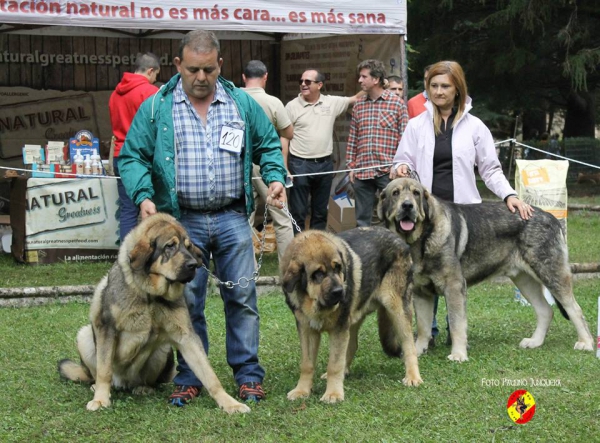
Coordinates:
[296,16]
[64,220]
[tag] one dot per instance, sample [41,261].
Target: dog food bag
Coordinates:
[543,183]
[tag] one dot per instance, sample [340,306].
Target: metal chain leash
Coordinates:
[287,212]
[244,282]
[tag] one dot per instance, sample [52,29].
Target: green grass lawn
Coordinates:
[457,402]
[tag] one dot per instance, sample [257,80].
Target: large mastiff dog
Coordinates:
[453,246]
[138,312]
[331,283]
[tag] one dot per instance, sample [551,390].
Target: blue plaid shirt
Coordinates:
[208,177]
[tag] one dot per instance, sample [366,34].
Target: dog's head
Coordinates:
[159,252]
[403,206]
[313,272]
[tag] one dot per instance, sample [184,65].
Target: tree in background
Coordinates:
[532,58]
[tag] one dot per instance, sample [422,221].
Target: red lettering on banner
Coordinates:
[147,10]
[30,7]
[366,18]
[96,10]
[175,13]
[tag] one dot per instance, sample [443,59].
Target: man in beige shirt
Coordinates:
[255,78]
[313,115]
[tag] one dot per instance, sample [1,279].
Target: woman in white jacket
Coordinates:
[445,143]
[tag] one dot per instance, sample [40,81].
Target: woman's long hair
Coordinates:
[457,76]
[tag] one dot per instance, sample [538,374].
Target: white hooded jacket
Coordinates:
[472,145]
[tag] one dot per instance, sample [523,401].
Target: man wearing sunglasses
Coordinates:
[309,153]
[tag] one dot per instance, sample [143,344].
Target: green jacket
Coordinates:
[147,160]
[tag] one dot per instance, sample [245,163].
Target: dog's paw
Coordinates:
[412,381]
[142,390]
[583,346]
[332,397]
[531,343]
[94,405]
[236,408]
[458,356]
[298,393]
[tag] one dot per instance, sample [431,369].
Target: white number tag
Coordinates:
[231,139]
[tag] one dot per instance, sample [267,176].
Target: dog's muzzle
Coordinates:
[333,297]
[406,217]
[187,272]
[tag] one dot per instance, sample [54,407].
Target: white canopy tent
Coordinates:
[290,16]
[37,72]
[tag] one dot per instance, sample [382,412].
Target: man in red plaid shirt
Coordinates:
[378,122]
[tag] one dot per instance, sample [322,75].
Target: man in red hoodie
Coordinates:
[416,105]
[124,102]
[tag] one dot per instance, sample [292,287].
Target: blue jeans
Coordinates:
[434,325]
[435,330]
[226,235]
[129,212]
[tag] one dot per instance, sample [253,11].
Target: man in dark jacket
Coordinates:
[124,102]
[189,152]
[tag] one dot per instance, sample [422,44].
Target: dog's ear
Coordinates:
[141,253]
[382,196]
[292,276]
[426,206]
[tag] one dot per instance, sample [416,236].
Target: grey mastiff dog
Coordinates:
[453,246]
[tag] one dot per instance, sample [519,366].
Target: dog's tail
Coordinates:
[562,310]
[70,370]
[387,335]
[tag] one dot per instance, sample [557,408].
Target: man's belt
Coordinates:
[314,160]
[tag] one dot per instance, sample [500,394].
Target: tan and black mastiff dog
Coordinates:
[331,283]
[138,312]
[453,246]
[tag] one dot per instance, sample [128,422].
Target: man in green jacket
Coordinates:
[189,152]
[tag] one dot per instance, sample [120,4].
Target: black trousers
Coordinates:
[318,187]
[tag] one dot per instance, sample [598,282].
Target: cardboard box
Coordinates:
[56,152]
[33,154]
[341,214]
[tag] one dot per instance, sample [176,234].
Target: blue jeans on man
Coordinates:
[128,210]
[226,235]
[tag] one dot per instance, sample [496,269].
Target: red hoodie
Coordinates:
[124,103]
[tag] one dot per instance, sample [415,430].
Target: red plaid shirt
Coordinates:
[375,132]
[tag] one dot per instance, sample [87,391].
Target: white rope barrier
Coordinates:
[509,140]
[548,153]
